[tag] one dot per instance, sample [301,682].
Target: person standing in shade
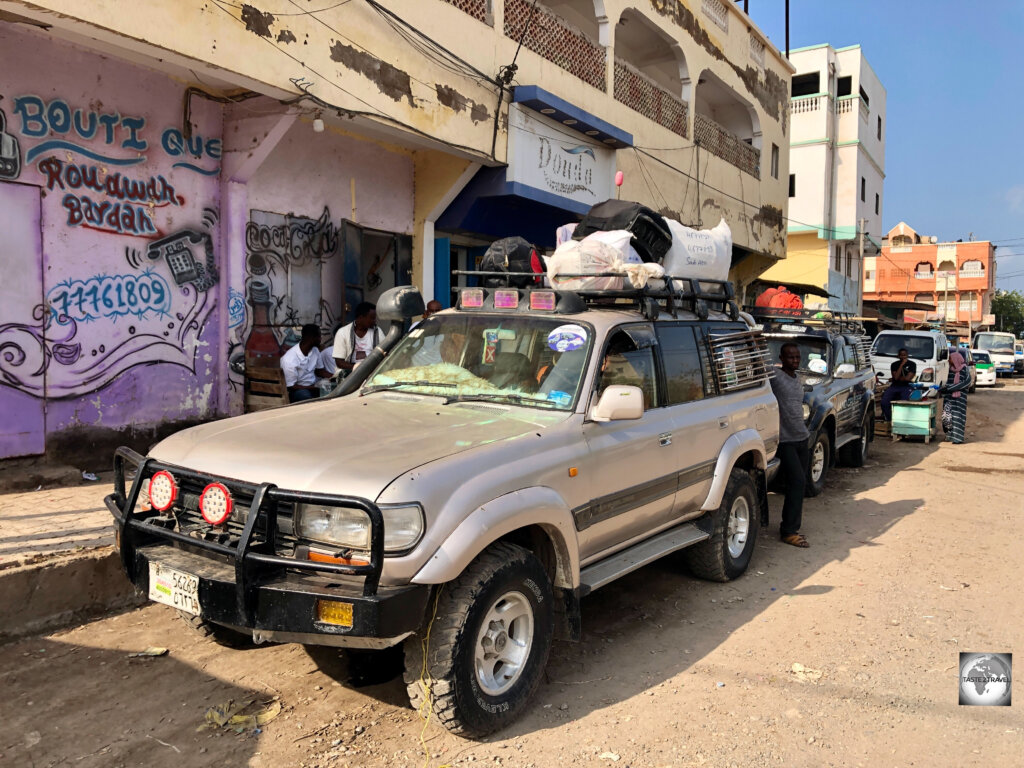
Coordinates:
[793,436]
[433,307]
[354,342]
[954,408]
[903,371]
[301,366]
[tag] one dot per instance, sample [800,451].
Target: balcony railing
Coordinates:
[715,139]
[804,104]
[924,275]
[640,93]
[475,8]
[717,12]
[557,41]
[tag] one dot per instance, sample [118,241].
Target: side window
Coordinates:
[629,360]
[712,329]
[844,354]
[684,381]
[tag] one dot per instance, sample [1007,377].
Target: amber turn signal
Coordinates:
[334,612]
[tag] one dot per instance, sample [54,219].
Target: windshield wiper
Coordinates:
[398,384]
[494,397]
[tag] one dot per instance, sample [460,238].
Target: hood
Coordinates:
[351,445]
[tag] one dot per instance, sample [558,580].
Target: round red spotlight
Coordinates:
[215,503]
[163,490]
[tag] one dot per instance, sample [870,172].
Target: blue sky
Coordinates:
[955,123]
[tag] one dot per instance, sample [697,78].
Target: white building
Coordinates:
[836,174]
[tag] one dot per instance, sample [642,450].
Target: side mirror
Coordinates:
[845,371]
[402,303]
[944,353]
[619,402]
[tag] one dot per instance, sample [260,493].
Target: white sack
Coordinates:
[583,257]
[704,254]
[620,240]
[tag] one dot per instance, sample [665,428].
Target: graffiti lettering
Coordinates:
[76,176]
[175,145]
[297,241]
[40,118]
[110,296]
[119,218]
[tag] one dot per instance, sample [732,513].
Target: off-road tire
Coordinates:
[447,683]
[855,453]
[221,635]
[711,559]
[812,488]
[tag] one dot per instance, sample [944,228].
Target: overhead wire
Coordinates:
[372,111]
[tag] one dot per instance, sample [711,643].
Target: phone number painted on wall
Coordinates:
[111,296]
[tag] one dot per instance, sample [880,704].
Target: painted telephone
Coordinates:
[180,251]
[10,152]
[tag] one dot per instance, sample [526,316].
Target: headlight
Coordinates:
[807,412]
[350,528]
[928,374]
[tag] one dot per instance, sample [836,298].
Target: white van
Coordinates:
[999,346]
[929,349]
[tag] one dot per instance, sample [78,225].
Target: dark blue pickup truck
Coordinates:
[838,383]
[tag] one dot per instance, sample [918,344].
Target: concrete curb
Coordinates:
[62,591]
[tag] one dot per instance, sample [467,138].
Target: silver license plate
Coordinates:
[174,588]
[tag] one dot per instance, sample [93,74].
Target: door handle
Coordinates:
[723,422]
[665,438]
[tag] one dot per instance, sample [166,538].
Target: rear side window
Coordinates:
[918,347]
[684,380]
[629,360]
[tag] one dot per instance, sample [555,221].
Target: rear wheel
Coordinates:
[726,554]
[482,656]
[817,467]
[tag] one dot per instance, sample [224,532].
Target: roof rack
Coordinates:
[670,293]
[843,322]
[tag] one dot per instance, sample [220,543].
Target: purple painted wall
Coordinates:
[150,249]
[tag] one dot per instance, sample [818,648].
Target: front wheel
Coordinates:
[855,454]
[726,554]
[817,467]
[482,656]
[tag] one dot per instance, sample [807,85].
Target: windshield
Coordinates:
[918,347]
[1000,343]
[813,352]
[521,360]
[982,357]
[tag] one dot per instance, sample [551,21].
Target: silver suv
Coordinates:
[505,459]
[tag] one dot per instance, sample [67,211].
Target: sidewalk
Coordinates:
[57,561]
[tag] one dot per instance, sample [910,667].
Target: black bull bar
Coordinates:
[253,556]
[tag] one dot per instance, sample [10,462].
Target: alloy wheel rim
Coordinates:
[738,527]
[818,461]
[503,643]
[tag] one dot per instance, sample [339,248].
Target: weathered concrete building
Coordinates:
[185,182]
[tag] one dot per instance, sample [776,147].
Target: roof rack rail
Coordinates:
[844,322]
[669,293]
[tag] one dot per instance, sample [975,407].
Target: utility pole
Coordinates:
[945,299]
[860,287]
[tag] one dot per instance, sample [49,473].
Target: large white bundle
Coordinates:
[596,253]
[704,253]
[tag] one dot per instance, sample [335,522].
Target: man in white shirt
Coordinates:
[354,342]
[301,365]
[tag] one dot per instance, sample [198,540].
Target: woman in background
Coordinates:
[954,409]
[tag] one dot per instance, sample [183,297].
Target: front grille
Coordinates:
[190,520]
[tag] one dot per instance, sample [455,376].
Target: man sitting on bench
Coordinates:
[301,365]
[903,372]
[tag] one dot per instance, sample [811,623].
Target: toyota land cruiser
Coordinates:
[465,492]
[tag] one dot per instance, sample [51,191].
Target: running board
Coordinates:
[608,570]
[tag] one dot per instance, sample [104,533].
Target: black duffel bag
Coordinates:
[512,254]
[651,236]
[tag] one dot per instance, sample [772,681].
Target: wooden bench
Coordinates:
[264,388]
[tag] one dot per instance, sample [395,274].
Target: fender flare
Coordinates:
[744,441]
[537,505]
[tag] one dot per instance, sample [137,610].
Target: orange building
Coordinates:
[958,279]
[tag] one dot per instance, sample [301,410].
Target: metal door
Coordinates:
[23,353]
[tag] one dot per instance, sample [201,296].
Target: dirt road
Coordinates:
[914,559]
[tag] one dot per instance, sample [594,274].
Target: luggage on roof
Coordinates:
[512,254]
[651,235]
